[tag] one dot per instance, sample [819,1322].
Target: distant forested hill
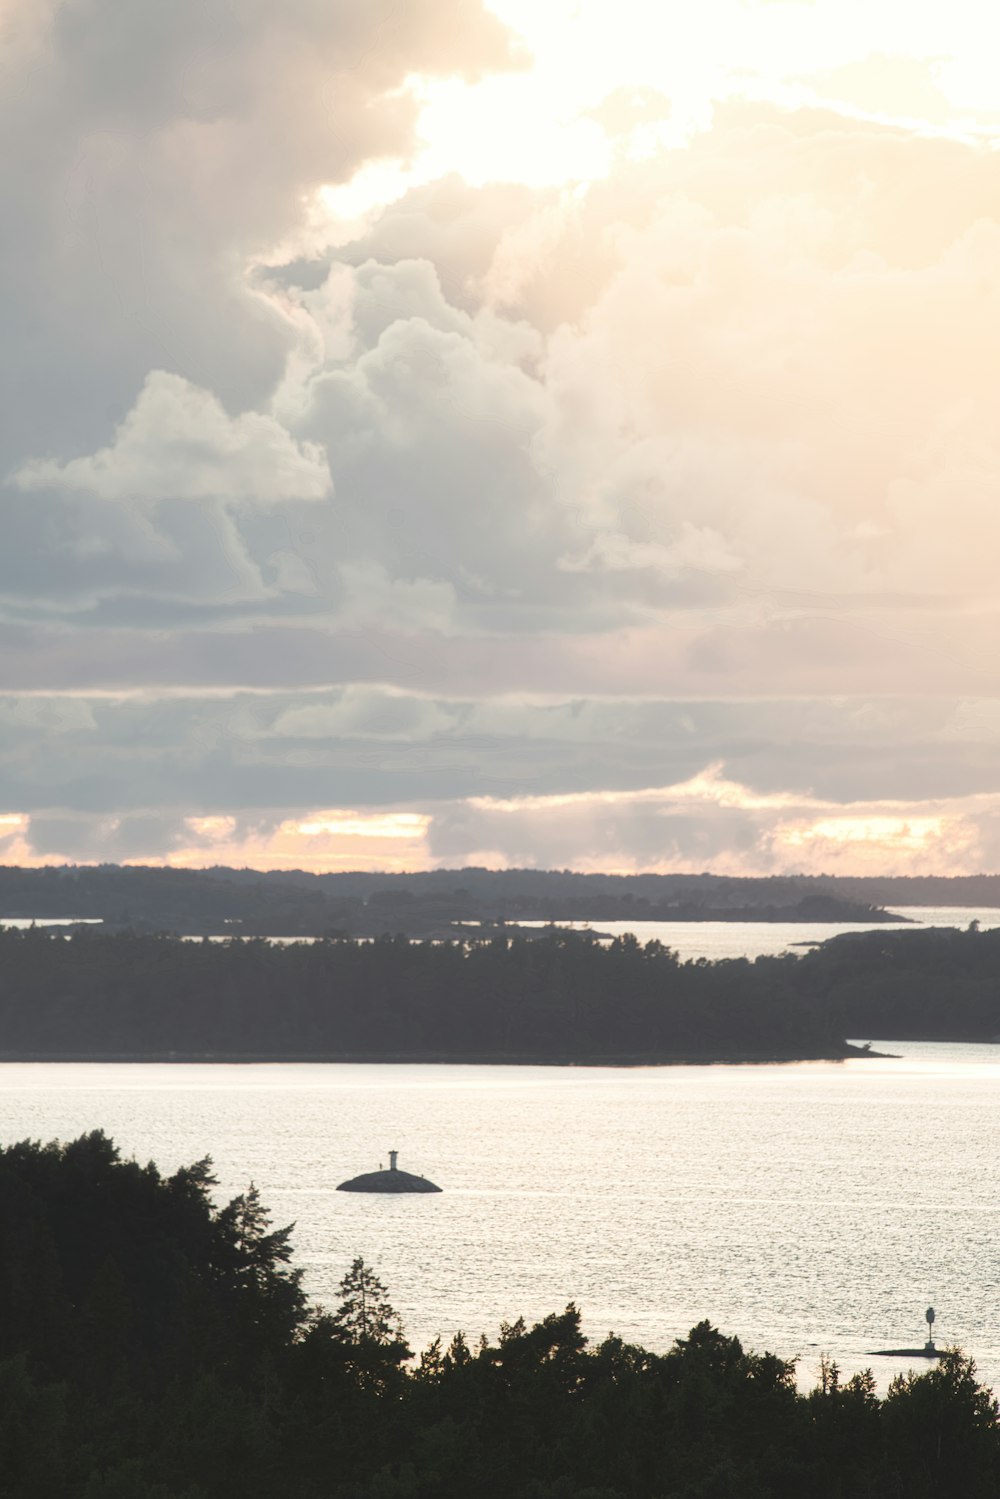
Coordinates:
[916,890]
[287,903]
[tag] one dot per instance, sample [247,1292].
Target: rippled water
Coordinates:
[808,1207]
[754,939]
[709,939]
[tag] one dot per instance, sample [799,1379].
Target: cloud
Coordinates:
[708,822]
[159,152]
[628,784]
[161,156]
[447,223]
[100,839]
[711,823]
[177,443]
[737,409]
[328,839]
[520,504]
[668,454]
[365,714]
[696,547]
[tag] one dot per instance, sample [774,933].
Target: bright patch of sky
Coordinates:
[610,78]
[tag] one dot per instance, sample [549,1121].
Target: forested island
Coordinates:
[435,903]
[563,997]
[155,1346]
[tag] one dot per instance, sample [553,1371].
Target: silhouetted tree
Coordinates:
[365,1314]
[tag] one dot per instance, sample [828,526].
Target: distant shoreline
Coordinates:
[470,1059]
[528,926]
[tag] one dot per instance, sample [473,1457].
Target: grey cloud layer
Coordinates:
[552,782]
[375,746]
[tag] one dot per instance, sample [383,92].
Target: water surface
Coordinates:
[755,939]
[806,1207]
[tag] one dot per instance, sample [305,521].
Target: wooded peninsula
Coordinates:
[563,997]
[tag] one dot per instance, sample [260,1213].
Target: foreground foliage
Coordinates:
[155,1347]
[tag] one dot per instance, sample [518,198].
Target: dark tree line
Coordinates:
[931,984]
[564,997]
[153,1346]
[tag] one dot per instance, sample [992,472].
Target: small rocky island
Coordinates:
[392,1180]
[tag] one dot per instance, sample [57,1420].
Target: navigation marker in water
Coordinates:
[927,1351]
[392,1180]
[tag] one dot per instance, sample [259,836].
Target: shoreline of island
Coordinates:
[436,1059]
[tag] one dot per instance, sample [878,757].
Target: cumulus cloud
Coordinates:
[749,421]
[160,151]
[177,443]
[763,386]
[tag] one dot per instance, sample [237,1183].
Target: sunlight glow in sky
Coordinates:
[622,78]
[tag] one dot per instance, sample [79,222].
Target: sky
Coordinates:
[546,434]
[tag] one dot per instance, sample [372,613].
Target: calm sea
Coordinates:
[754,939]
[717,939]
[808,1208]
